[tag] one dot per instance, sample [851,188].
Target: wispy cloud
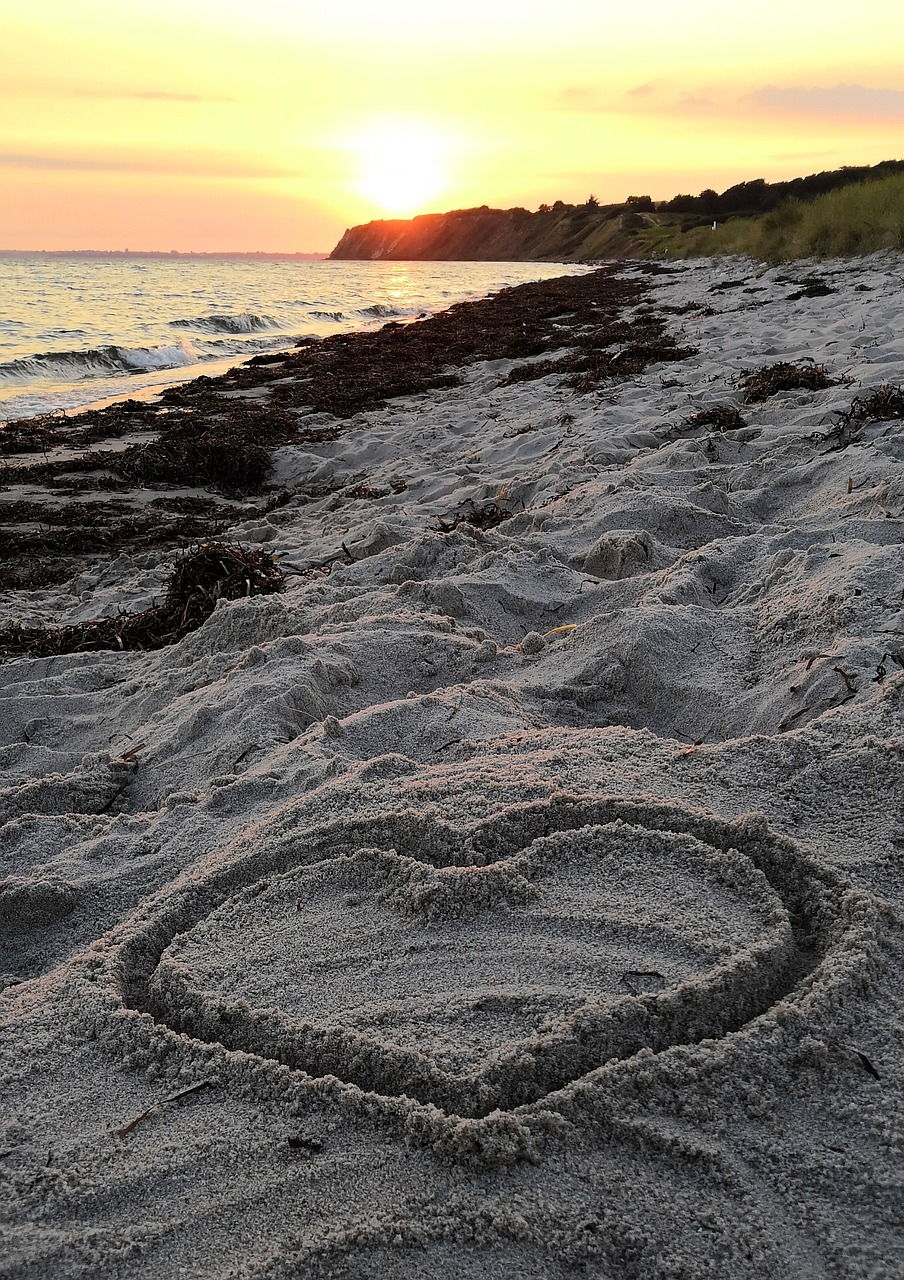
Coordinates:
[194,165]
[45,88]
[653,98]
[838,100]
[851,101]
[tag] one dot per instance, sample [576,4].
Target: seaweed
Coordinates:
[812,287]
[592,362]
[760,384]
[218,433]
[724,417]
[884,404]
[40,542]
[206,573]
[483,515]
[350,373]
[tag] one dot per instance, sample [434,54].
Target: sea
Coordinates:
[81,329]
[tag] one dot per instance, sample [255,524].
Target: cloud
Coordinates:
[652,98]
[198,165]
[851,101]
[116,93]
[841,99]
[582,98]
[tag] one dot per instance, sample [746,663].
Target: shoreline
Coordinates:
[216,433]
[154,337]
[517,890]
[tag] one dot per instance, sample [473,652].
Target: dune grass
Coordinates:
[862,218]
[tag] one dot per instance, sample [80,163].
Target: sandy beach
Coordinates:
[517,891]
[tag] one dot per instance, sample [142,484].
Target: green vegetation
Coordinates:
[862,218]
[837,213]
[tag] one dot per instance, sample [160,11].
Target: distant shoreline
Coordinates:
[257,255]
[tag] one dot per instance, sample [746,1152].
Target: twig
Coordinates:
[155,1106]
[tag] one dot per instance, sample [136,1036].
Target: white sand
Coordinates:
[422,869]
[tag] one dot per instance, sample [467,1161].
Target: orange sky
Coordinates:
[273,125]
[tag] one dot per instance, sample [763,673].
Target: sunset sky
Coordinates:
[273,125]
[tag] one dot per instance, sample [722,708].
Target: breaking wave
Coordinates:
[380,309]
[245,322]
[97,362]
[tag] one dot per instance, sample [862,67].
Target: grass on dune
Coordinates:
[861,218]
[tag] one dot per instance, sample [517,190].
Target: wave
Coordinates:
[98,362]
[245,322]
[216,348]
[382,309]
[327,315]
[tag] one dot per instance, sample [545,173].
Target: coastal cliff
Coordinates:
[561,233]
[578,233]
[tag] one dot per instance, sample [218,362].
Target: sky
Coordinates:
[218,125]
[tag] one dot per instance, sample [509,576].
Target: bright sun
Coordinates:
[402,164]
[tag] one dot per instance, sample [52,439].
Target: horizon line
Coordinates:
[180,253]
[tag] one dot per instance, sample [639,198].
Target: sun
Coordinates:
[402,165]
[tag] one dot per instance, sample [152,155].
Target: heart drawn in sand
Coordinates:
[487,985]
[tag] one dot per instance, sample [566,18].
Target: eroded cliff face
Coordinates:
[564,233]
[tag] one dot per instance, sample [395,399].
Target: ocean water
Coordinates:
[75,330]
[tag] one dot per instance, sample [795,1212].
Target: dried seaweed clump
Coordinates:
[643,342]
[885,404]
[212,441]
[724,417]
[760,384]
[203,575]
[484,515]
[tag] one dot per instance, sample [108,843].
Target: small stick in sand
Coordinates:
[155,1106]
[867,1065]
[848,680]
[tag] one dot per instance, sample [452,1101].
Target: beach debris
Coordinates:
[810,287]
[346,374]
[41,541]
[848,679]
[866,1064]
[532,643]
[592,362]
[301,1142]
[484,515]
[217,442]
[760,384]
[724,417]
[162,1102]
[54,430]
[884,404]
[203,575]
